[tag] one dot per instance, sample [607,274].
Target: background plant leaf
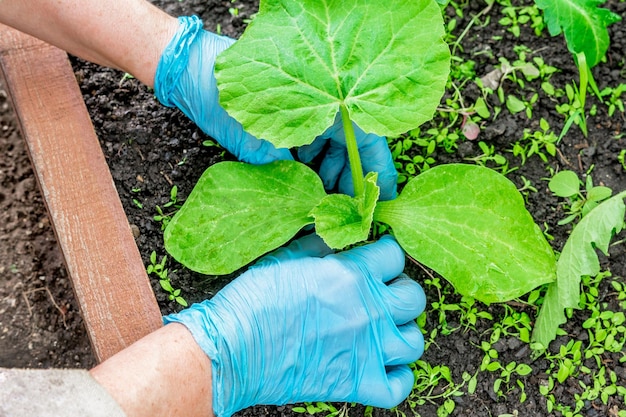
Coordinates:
[565,184]
[299,60]
[578,258]
[238,212]
[469,224]
[583,23]
[342,220]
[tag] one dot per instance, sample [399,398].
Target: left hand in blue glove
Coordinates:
[185,79]
[306,325]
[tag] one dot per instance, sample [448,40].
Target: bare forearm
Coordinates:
[164,374]
[124,34]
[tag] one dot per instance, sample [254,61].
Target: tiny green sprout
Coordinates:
[173,197]
[321,408]
[436,383]
[621,158]
[470,313]
[125,77]
[489,158]
[526,188]
[613,98]
[513,18]
[137,203]
[566,184]
[173,205]
[540,143]
[516,105]
[572,110]
[159,269]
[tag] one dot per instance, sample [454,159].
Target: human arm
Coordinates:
[128,35]
[163,374]
[301,325]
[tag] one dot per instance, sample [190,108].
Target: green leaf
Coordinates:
[578,258]
[469,224]
[342,220]
[599,193]
[299,60]
[238,212]
[514,104]
[565,184]
[583,23]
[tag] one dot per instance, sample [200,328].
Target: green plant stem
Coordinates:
[583,71]
[353,152]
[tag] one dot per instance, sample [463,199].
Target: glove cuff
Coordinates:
[206,335]
[174,58]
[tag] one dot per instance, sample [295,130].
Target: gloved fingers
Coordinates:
[400,381]
[335,131]
[346,185]
[333,164]
[382,260]
[307,153]
[387,182]
[405,299]
[376,157]
[259,151]
[406,348]
[308,246]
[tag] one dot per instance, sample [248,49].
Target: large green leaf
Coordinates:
[583,23]
[469,224]
[299,60]
[238,212]
[578,258]
[342,220]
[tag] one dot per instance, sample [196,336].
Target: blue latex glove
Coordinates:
[306,325]
[373,150]
[185,79]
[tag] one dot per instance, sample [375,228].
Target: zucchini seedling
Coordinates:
[383,67]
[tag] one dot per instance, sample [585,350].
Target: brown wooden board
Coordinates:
[109,279]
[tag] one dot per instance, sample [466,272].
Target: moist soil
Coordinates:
[150,148]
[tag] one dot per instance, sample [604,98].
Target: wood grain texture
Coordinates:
[110,283]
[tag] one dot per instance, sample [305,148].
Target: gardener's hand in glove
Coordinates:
[335,167]
[306,325]
[184,78]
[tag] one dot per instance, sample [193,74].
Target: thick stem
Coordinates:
[353,152]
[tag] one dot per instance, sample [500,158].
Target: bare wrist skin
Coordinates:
[164,374]
[128,35]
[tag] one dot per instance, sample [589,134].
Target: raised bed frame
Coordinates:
[109,279]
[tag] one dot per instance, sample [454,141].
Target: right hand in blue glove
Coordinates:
[307,325]
[373,150]
[185,79]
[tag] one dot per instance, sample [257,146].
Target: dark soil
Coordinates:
[151,148]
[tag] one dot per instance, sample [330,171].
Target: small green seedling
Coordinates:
[540,143]
[584,25]
[164,216]
[613,98]
[567,185]
[159,269]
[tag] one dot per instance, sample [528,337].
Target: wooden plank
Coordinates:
[102,259]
